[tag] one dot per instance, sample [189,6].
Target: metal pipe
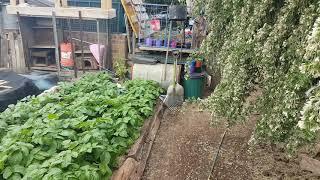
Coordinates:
[81,42]
[108,49]
[98,34]
[56,42]
[72,47]
[167,53]
[217,154]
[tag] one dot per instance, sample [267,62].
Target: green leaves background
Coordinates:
[270,46]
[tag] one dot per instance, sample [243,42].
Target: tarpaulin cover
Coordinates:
[94,49]
[43,80]
[21,87]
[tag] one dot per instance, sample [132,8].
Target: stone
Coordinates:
[310,164]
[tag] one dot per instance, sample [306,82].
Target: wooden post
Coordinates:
[167,53]
[98,34]
[73,54]
[10,50]
[13,2]
[19,52]
[64,3]
[56,42]
[81,42]
[126,20]
[25,48]
[57,3]
[105,54]
[109,48]
[60,3]
[133,43]
[106,4]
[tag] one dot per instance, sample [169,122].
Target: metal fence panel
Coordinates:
[116,25]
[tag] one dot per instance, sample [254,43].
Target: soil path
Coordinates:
[186,143]
[184,146]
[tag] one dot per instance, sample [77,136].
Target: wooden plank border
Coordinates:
[68,12]
[136,160]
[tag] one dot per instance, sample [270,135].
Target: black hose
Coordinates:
[217,154]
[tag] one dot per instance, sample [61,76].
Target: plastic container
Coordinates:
[165,43]
[158,43]
[194,86]
[66,55]
[198,64]
[149,42]
[192,67]
[173,44]
[198,67]
[188,45]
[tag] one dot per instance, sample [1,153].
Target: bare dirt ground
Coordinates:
[186,144]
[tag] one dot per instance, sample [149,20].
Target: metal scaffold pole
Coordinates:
[56,42]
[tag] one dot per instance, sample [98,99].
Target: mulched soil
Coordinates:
[186,144]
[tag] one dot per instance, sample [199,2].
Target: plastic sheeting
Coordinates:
[20,88]
[94,49]
[43,80]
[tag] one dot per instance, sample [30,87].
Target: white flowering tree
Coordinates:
[310,114]
[264,44]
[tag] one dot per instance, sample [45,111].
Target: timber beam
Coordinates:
[62,10]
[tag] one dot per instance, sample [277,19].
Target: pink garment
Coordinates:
[94,49]
[155,24]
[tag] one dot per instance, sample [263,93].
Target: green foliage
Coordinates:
[309,125]
[76,133]
[270,46]
[121,68]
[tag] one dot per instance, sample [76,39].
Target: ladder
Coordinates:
[136,14]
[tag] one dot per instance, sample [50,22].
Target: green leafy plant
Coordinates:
[121,68]
[78,132]
[269,46]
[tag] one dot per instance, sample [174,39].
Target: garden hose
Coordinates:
[217,154]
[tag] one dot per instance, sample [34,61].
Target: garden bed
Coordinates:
[78,132]
[135,161]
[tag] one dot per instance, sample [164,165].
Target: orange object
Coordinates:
[198,64]
[66,55]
